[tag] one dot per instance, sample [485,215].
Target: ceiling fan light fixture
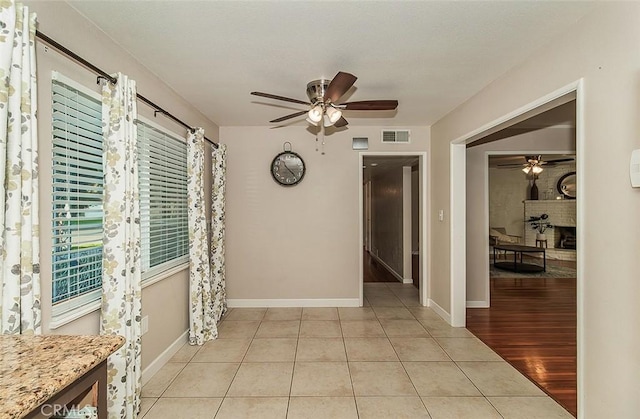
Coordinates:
[315,114]
[534,169]
[333,114]
[324,105]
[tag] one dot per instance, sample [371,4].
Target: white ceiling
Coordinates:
[430,56]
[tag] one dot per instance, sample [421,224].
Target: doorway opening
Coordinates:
[529,301]
[462,251]
[393,219]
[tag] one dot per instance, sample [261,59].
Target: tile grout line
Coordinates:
[402,363]
[239,365]
[437,342]
[346,356]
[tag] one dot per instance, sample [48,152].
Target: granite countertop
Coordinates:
[35,368]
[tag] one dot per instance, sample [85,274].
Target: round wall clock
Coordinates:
[287,168]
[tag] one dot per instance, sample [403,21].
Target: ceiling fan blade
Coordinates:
[341,122]
[559,160]
[293,115]
[339,86]
[286,99]
[371,105]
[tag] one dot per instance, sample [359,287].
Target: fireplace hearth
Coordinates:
[565,237]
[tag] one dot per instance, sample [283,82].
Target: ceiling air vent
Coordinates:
[395,136]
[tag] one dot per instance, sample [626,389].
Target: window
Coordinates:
[77,195]
[163,199]
[77,213]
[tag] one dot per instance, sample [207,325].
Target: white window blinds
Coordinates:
[77,195]
[163,199]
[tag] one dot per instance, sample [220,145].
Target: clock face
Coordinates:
[287,168]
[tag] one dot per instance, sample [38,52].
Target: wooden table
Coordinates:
[518,265]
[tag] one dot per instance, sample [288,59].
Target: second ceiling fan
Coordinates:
[324,95]
[533,165]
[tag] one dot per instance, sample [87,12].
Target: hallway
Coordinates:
[389,359]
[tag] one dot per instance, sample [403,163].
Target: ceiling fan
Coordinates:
[323,103]
[533,165]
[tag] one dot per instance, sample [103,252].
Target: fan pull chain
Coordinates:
[316,143]
[323,136]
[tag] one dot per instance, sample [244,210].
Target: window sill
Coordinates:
[62,319]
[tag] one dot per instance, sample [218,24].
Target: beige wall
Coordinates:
[166,302]
[603,49]
[297,242]
[507,192]
[387,217]
[543,140]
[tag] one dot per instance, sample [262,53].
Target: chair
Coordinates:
[498,235]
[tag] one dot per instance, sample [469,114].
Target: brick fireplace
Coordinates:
[564,237]
[562,215]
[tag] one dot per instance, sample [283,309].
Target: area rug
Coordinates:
[552,272]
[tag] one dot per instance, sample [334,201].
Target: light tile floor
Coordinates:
[389,359]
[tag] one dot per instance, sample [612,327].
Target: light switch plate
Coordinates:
[145,324]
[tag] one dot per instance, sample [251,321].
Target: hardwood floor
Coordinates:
[532,324]
[374,271]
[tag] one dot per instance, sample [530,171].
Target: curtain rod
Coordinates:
[103,74]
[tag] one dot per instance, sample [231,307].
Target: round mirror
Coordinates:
[567,185]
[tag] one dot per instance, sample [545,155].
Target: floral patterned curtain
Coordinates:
[207,296]
[19,244]
[218,279]
[121,282]
[202,322]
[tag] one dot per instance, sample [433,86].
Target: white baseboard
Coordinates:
[407,280]
[439,310]
[478,304]
[164,357]
[306,302]
[390,269]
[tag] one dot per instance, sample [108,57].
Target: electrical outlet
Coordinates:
[145,324]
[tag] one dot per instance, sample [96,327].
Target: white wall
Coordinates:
[296,242]
[603,50]
[166,302]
